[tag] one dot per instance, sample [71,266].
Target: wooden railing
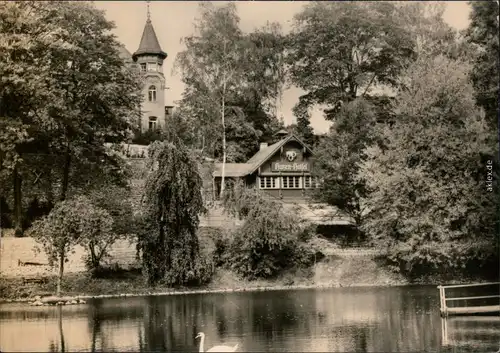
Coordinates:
[467,310]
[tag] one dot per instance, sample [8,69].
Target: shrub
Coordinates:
[36,210]
[5,214]
[268,241]
[222,243]
[200,270]
[96,234]
[117,202]
[58,233]
[76,222]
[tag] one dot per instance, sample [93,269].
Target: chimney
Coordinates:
[263,145]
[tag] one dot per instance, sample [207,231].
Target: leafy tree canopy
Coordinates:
[339,50]
[245,70]
[339,153]
[428,193]
[483,34]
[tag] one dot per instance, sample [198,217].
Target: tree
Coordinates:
[304,129]
[97,91]
[115,200]
[427,187]
[209,65]
[341,50]
[173,202]
[58,233]
[483,34]
[28,42]
[265,76]
[242,136]
[223,67]
[431,35]
[338,155]
[96,233]
[66,91]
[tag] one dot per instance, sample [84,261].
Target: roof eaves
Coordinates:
[279,144]
[272,151]
[302,143]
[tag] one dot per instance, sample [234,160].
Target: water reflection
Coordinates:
[343,320]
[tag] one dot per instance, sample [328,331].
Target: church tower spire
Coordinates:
[149,57]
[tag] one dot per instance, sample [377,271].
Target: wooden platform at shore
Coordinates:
[470,309]
[474,310]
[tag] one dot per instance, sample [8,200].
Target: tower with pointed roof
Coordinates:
[149,58]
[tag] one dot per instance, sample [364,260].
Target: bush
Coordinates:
[268,241]
[58,233]
[36,210]
[5,214]
[96,234]
[222,243]
[72,222]
[201,270]
[307,233]
[147,137]
[117,202]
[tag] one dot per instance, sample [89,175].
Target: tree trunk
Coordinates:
[223,172]
[61,272]
[66,170]
[50,190]
[18,206]
[94,259]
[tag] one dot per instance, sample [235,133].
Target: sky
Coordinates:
[173,20]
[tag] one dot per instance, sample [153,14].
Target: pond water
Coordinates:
[397,319]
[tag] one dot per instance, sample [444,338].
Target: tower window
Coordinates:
[152,67]
[152,122]
[152,93]
[143,67]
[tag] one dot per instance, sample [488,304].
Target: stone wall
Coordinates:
[16,251]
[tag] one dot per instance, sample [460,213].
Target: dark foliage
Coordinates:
[173,202]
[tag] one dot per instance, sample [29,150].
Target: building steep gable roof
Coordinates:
[258,159]
[234,170]
[263,155]
[149,43]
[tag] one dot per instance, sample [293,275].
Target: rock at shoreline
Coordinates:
[56,300]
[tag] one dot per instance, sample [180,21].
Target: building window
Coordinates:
[152,93]
[152,122]
[143,67]
[269,182]
[307,181]
[291,182]
[311,182]
[152,67]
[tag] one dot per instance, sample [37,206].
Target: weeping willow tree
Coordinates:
[173,203]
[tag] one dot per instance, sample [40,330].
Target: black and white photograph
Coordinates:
[249,176]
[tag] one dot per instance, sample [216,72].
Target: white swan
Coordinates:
[216,348]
